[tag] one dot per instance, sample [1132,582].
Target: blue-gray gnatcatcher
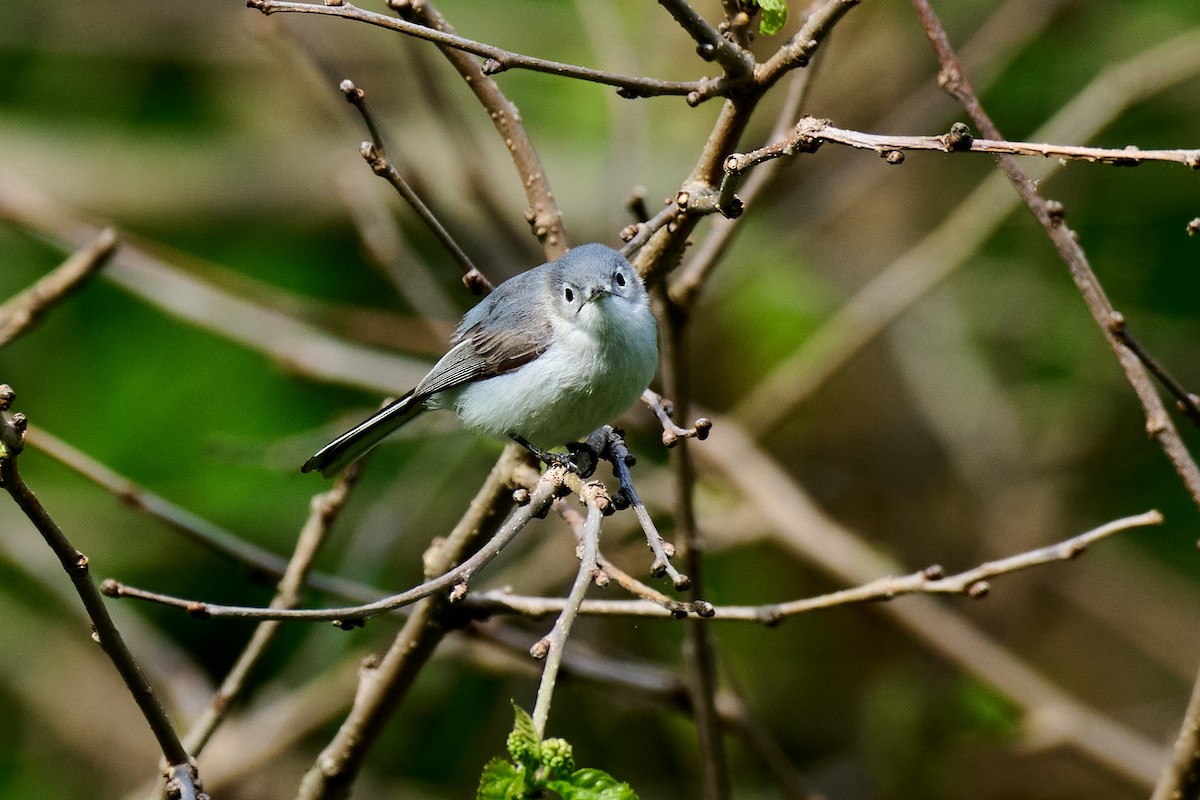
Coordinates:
[546,358]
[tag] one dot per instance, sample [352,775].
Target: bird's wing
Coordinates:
[483,351]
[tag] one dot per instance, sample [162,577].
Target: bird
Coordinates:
[547,357]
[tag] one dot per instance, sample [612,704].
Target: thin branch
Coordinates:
[699,650]
[811,132]
[456,579]
[621,459]
[685,287]
[385,683]
[806,531]
[678,608]
[374,153]
[931,580]
[712,46]
[672,433]
[550,647]
[499,59]
[1050,216]
[1187,402]
[637,234]
[192,527]
[898,285]
[799,49]
[544,218]
[1181,776]
[24,311]
[182,776]
[324,510]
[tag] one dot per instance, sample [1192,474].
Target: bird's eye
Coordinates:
[620,279]
[568,294]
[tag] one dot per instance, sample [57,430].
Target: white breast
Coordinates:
[587,377]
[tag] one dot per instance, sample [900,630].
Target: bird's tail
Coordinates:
[354,443]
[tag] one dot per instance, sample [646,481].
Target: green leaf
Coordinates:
[501,781]
[523,742]
[774,15]
[592,784]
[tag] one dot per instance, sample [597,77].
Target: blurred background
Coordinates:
[983,414]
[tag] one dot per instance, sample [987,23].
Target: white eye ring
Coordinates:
[568,294]
[620,279]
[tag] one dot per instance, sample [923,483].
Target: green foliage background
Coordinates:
[218,135]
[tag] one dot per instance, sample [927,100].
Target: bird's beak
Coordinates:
[596,292]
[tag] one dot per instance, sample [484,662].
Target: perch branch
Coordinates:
[621,460]
[456,578]
[931,580]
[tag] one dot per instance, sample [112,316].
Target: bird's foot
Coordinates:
[579,458]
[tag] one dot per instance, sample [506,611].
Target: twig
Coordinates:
[22,312]
[637,234]
[179,519]
[295,345]
[810,132]
[384,684]
[712,46]
[324,510]
[550,647]
[672,433]
[374,153]
[685,287]
[799,49]
[931,580]
[938,254]
[677,608]
[1049,215]
[181,774]
[806,531]
[543,216]
[500,59]
[992,47]
[699,651]
[457,578]
[621,459]
[1186,401]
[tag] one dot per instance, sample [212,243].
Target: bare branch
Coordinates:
[946,248]
[550,647]
[324,510]
[799,49]
[22,312]
[500,59]
[375,155]
[672,433]
[182,777]
[192,527]
[810,132]
[384,683]
[1158,422]
[620,457]
[712,46]
[456,578]
[543,216]
[1187,402]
